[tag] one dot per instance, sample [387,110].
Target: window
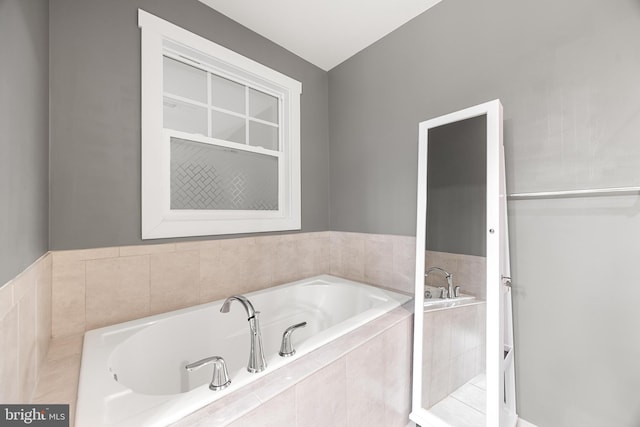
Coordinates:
[220,138]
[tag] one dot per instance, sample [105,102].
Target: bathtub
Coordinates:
[133,373]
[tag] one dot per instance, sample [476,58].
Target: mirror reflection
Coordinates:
[454,331]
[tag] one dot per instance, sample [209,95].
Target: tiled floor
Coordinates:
[465,407]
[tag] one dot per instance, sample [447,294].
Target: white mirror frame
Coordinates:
[498,339]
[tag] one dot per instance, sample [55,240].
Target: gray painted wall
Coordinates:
[24,134]
[95,118]
[457,187]
[567,74]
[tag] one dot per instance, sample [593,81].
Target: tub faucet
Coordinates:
[449,276]
[286,347]
[257,362]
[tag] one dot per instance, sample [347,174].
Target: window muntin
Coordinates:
[237,112]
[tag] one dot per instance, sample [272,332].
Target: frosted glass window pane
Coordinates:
[227,94]
[261,135]
[228,127]
[205,176]
[184,80]
[184,117]
[263,106]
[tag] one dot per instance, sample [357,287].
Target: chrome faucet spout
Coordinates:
[448,276]
[257,362]
[242,300]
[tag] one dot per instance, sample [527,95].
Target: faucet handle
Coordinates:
[443,292]
[220,378]
[286,348]
[456,291]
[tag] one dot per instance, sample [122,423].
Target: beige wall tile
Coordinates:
[471,275]
[210,286]
[237,266]
[335,253]
[67,297]
[397,343]
[61,348]
[315,235]
[147,249]
[378,260]
[27,367]
[9,372]
[329,387]
[324,253]
[313,255]
[6,299]
[234,269]
[456,374]
[347,255]
[22,338]
[277,412]
[25,283]
[454,338]
[470,364]
[174,280]
[221,412]
[365,384]
[43,308]
[457,319]
[205,244]
[188,246]
[84,254]
[117,289]
[428,344]
[442,319]
[58,381]
[469,327]
[404,263]
[260,263]
[286,266]
[272,240]
[439,383]
[293,236]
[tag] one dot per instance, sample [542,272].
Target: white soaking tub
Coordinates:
[133,374]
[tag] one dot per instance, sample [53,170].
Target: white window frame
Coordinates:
[158,219]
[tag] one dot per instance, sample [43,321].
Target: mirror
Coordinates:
[463,361]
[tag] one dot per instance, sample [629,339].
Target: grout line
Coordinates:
[477,386]
[467,405]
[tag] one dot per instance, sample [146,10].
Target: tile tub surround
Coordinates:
[25,330]
[99,287]
[362,378]
[454,349]
[363,375]
[58,380]
[378,259]
[469,271]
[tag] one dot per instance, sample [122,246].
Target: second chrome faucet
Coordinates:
[451,292]
[257,362]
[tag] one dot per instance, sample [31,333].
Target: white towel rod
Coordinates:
[613,191]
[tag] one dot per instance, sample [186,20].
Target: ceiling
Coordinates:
[324,32]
